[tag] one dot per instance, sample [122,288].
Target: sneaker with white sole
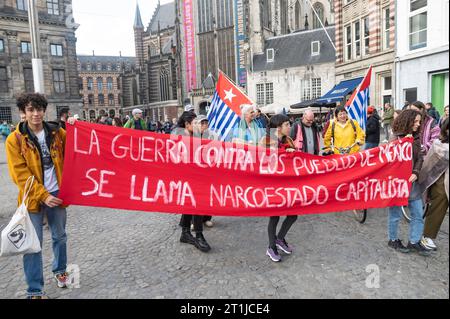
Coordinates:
[284,246]
[209,223]
[428,243]
[62,279]
[273,254]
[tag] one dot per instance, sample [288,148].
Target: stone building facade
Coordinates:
[156,75]
[58,50]
[100,79]
[365,36]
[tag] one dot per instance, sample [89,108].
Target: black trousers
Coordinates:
[272,229]
[197,220]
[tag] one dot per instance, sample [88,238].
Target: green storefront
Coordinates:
[439,91]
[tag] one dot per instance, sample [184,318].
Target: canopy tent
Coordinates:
[340,91]
[305,104]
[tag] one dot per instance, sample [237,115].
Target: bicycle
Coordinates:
[360,214]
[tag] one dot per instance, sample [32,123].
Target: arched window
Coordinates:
[101,99]
[91,100]
[153,49]
[100,84]
[92,115]
[298,15]
[90,84]
[320,12]
[134,91]
[112,114]
[111,99]
[109,83]
[164,84]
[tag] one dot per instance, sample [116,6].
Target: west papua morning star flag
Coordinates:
[225,109]
[359,101]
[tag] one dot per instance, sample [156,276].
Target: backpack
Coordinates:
[333,127]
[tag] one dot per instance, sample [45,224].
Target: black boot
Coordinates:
[186,236]
[201,243]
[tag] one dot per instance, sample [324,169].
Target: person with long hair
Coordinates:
[277,137]
[408,124]
[117,122]
[444,117]
[429,130]
[433,182]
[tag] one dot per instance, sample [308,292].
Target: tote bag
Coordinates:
[19,237]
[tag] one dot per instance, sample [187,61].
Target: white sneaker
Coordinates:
[428,243]
[209,223]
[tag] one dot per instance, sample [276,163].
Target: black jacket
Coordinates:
[373,129]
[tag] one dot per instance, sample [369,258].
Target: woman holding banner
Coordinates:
[277,137]
[186,128]
[408,123]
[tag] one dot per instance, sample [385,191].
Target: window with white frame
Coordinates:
[25,47]
[418,24]
[357,37]
[22,5]
[260,94]
[386,28]
[315,48]
[316,88]
[366,34]
[53,7]
[264,93]
[56,49]
[306,90]
[269,93]
[270,55]
[348,43]
[312,89]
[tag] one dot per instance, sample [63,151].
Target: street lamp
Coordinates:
[38,69]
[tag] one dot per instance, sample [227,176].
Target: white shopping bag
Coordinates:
[19,237]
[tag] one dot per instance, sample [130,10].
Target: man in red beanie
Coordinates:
[372,128]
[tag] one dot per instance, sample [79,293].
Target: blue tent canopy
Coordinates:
[340,91]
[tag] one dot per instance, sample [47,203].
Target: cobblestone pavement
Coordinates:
[138,255]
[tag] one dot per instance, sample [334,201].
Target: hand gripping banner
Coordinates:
[134,170]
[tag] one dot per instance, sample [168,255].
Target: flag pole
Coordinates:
[323,27]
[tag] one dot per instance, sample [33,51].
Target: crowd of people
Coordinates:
[28,153]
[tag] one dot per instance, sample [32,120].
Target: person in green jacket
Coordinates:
[388,118]
[136,122]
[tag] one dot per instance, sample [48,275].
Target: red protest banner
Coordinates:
[134,170]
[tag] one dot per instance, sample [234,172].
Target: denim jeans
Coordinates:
[416,225]
[32,263]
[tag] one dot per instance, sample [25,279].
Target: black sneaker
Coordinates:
[418,248]
[398,245]
[201,243]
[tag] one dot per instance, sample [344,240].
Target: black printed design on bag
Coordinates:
[17,236]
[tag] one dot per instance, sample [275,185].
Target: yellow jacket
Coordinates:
[344,136]
[24,160]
